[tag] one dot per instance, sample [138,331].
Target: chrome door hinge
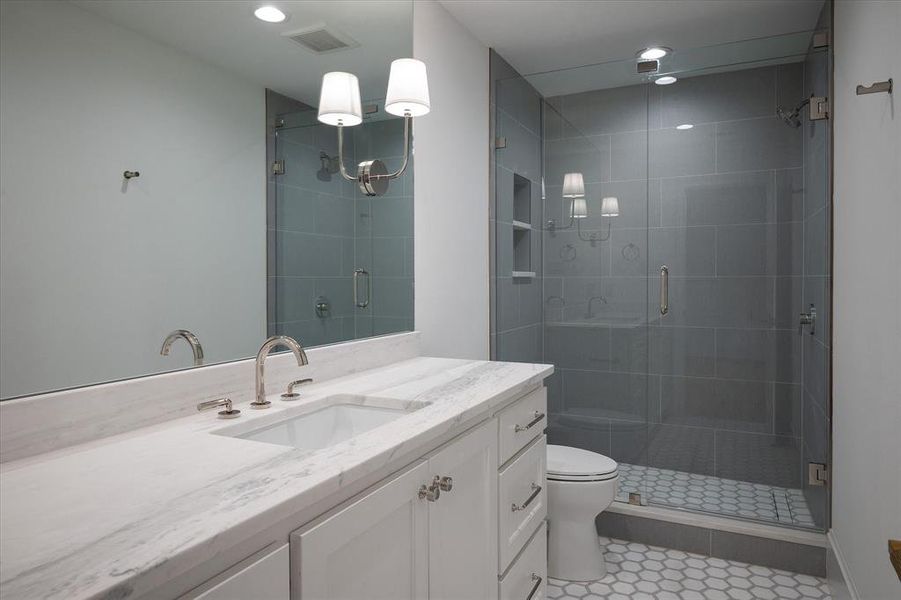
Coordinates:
[278,167]
[500,142]
[817,474]
[819,108]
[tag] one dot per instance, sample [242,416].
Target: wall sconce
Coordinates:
[340,106]
[574,189]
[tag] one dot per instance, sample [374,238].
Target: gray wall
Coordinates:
[721,204]
[517,333]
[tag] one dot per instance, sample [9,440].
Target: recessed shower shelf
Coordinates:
[523,274]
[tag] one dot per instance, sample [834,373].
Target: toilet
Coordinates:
[581,484]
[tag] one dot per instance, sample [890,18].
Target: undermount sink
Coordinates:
[324,422]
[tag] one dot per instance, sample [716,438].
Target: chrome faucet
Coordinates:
[268,345]
[590,314]
[187,336]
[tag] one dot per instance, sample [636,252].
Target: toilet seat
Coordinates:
[576,465]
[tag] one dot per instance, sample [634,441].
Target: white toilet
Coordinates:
[581,484]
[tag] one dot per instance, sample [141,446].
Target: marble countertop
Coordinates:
[118,517]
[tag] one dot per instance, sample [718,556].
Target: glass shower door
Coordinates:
[736,253]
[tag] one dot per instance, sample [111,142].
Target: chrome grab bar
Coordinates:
[537,579]
[664,290]
[536,489]
[538,416]
[357,302]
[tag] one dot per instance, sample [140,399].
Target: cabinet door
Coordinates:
[263,579]
[463,521]
[375,548]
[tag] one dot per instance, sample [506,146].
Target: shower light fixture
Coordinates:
[665,80]
[684,126]
[340,106]
[270,14]
[573,186]
[654,52]
[579,207]
[610,206]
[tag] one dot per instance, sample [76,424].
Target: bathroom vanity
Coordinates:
[419,478]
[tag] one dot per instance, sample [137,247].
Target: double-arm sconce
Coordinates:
[340,106]
[574,190]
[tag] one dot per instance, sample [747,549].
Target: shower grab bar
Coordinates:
[664,290]
[357,302]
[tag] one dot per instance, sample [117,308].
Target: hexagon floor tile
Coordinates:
[639,572]
[717,495]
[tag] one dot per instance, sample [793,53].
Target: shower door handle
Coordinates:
[664,290]
[358,273]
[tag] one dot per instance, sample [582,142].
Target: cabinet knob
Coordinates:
[430,492]
[446,483]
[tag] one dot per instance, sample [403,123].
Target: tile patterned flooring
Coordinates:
[639,572]
[716,495]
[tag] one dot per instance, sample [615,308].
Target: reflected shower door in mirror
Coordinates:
[340,262]
[139,206]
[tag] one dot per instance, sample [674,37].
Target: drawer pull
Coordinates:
[536,489]
[538,417]
[537,579]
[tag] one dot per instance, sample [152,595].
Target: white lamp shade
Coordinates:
[573,185]
[408,88]
[580,208]
[339,99]
[610,207]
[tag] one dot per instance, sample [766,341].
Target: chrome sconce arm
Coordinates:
[372,175]
[592,237]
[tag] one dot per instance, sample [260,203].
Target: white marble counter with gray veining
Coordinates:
[116,518]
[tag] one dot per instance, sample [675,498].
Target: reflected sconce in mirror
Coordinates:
[574,190]
[609,207]
[340,106]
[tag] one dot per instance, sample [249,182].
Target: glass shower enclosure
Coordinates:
[666,247]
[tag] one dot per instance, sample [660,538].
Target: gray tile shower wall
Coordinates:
[517,333]
[718,379]
[325,228]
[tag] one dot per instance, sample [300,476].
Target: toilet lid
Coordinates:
[563,460]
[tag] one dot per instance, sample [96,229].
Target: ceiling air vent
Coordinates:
[321,39]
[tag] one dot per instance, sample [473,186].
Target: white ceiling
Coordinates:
[225,33]
[543,35]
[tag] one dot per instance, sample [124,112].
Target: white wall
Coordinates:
[866,485]
[451,188]
[94,277]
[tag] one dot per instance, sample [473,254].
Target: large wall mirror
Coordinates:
[163,172]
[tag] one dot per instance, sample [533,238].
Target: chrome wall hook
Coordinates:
[879,86]
[131,174]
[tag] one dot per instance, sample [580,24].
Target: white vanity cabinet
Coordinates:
[426,533]
[264,577]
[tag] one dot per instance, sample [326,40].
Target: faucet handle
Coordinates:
[228,413]
[290,394]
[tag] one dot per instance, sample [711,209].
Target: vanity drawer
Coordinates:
[522,500]
[520,423]
[527,577]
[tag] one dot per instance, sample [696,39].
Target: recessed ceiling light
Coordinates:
[654,52]
[270,14]
[684,126]
[665,80]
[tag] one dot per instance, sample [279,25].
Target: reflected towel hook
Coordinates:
[879,86]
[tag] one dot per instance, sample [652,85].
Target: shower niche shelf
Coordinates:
[522,227]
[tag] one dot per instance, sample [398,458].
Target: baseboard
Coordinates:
[840,583]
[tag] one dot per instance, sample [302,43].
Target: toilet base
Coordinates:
[574,552]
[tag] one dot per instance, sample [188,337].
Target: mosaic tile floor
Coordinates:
[716,495]
[639,572]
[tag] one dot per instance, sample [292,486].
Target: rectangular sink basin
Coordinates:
[323,423]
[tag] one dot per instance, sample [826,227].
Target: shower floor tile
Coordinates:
[639,572]
[715,495]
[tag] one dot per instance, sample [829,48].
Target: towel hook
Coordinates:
[879,86]
[130,174]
